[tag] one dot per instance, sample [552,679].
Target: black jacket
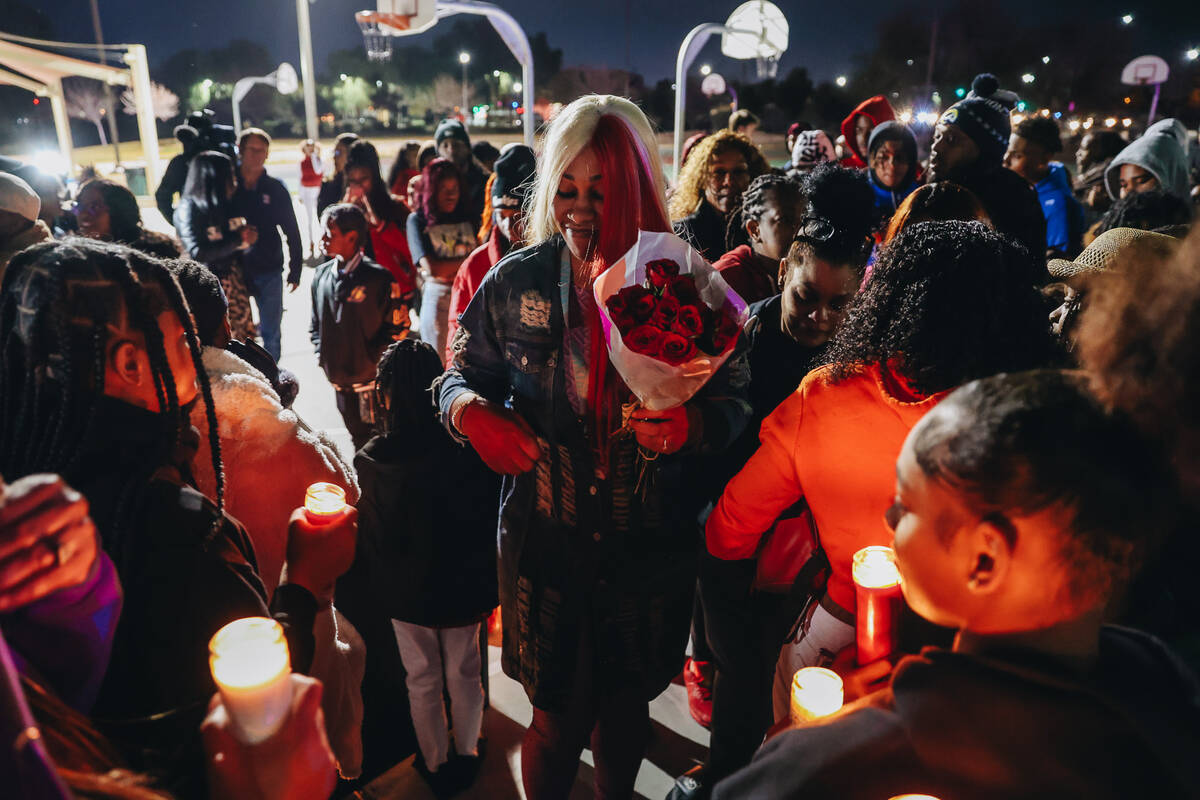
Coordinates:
[331,192]
[427,526]
[354,318]
[1015,211]
[268,207]
[206,237]
[1007,725]
[709,232]
[172,184]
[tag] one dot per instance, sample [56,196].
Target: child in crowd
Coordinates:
[429,510]
[1022,508]
[1033,145]
[357,310]
[770,214]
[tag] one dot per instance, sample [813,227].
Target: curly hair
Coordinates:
[1139,339]
[689,188]
[947,303]
[936,201]
[1146,211]
[843,198]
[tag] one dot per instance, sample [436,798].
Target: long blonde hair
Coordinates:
[573,130]
[689,189]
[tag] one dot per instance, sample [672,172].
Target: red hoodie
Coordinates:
[877,109]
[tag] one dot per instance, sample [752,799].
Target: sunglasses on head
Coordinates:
[816,229]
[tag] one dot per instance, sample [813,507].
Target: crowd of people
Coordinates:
[956,346]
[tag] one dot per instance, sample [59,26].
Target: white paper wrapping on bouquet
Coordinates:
[657,384]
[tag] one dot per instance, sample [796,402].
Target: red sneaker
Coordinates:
[698,679]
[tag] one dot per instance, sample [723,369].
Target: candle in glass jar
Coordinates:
[323,502]
[251,667]
[877,591]
[816,693]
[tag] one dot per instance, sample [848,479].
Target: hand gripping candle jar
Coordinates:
[251,666]
[816,692]
[877,591]
[324,502]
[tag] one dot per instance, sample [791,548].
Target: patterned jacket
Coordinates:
[581,550]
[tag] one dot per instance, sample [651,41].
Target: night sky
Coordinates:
[825,35]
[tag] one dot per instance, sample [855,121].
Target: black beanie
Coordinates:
[514,174]
[892,131]
[984,116]
[451,129]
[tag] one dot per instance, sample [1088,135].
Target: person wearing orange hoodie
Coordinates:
[941,309]
[858,125]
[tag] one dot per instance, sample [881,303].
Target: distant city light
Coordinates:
[960,92]
[705,70]
[51,162]
[1045,112]
[1018,118]
[517,86]
[1127,122]
[379,83]
[1028,77]
[906,117]
[1021,105]
[495,73]
[464,58]
[1045,59]
[1058,115]
[1110,122]
[208,83]
[1073,125]
[343,77]
[1127,19]
[841,80]
[1192,54]
[927,117]
[910,62]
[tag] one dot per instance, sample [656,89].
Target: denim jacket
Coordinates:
[582,552]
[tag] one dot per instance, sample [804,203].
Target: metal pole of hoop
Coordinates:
[513,35]
[692,43]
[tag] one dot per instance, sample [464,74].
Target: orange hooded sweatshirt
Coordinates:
[877,109]
[836,446]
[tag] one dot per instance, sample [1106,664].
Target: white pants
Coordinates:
[818,640]
[312,225]
[434,657]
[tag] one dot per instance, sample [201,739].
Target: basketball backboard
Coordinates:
[712,85]
[1145,71]
[757,29]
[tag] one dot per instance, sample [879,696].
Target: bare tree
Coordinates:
[86,99]
[447,92]
[163,101]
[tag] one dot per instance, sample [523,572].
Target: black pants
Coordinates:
[745,630]
[347,405]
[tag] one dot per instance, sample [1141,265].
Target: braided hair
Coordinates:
[59,305]
[757,198]
[407,370]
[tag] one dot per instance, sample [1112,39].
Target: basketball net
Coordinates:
[767,67]
[377,29]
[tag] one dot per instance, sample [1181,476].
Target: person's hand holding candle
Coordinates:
[47,540]
[296,763]
[321,542]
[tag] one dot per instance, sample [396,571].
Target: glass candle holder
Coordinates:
[251,665]
[816,692]
[877,592]
[323,502]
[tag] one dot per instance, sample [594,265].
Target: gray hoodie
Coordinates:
[1162,152]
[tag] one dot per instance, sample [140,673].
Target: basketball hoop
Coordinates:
[767,67]
[378,28]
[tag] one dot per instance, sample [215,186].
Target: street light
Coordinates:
[208,83]
[343,77]
[1127,19]
[841,80]
[517,87]
[1027,78]
[464,58]
[706,70]
[1045,59]
[1192,54]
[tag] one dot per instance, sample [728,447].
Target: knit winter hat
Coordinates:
[812,148]
[514,176]
[984,116]
[451,129]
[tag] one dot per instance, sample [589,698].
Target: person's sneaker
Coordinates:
[698,679]
[690,786]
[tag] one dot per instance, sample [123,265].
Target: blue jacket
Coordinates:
[1064,214]
[888,200]
[268,207]
[581,553]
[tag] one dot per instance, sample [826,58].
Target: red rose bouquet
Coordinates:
[670,320]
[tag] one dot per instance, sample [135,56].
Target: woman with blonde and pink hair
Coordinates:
[596,574]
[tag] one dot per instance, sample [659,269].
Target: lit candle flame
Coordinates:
[875,568]
[251,666]
[324,500]
[816,692]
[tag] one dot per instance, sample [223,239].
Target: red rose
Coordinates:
[645,339]
[665,312]
[640,301]
[617,304]
[660,272]
[624,322]
[688,322]
[683,288]
[725,331]
[676,349]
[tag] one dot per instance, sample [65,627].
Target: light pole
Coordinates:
[464,58]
